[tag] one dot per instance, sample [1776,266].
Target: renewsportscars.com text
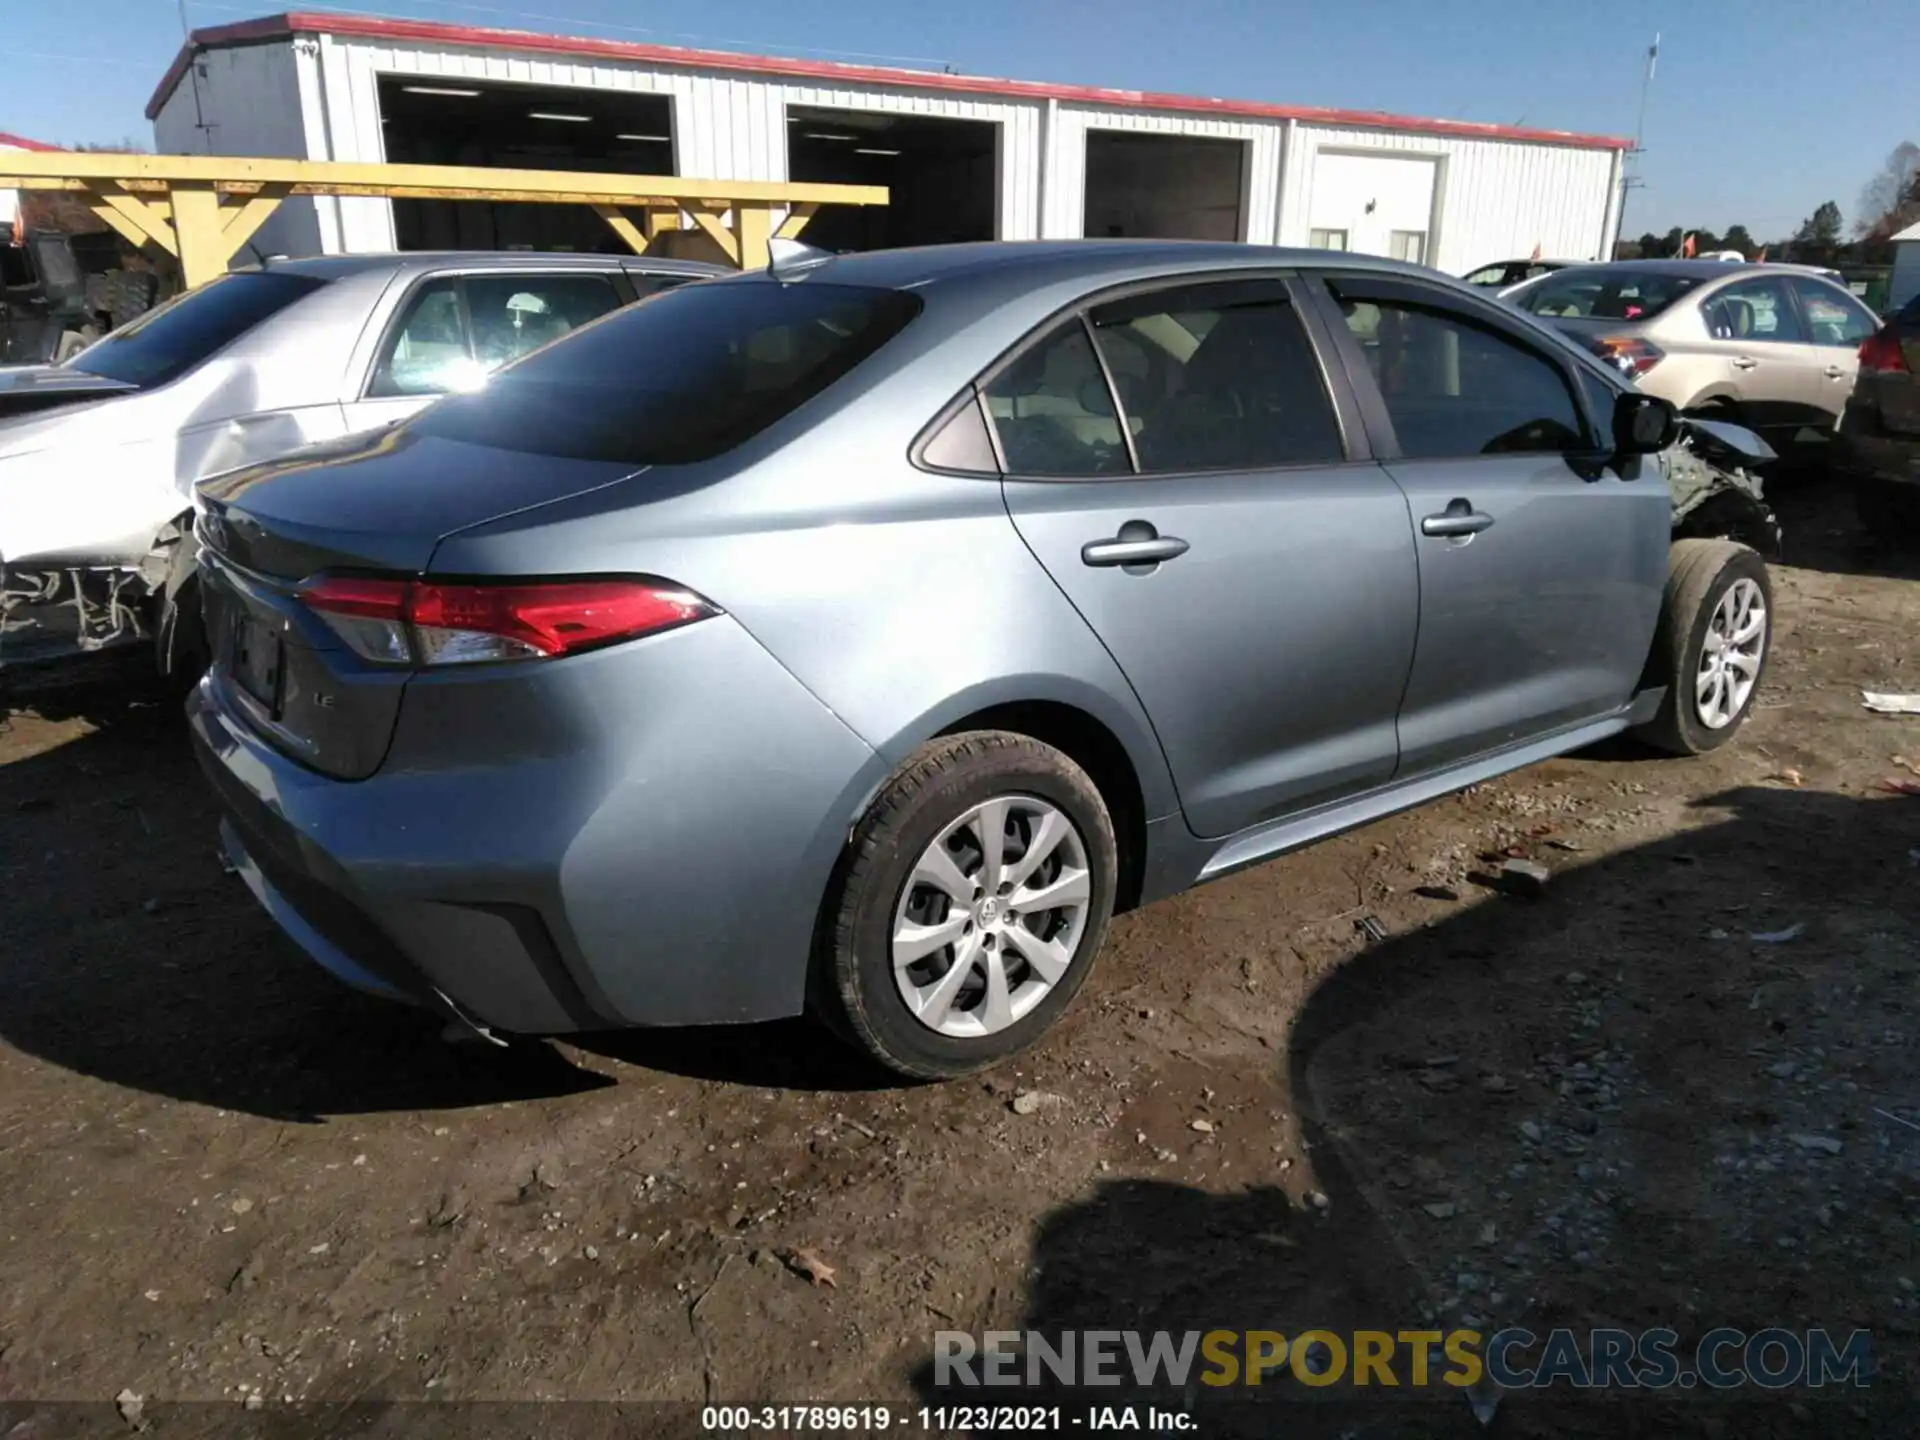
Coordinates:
[1513,1358]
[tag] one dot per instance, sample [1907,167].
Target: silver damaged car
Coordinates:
[860,636]
[98,455]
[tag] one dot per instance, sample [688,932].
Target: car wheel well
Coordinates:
[1098,751]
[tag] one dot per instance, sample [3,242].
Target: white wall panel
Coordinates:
[1493,199]
[1496,200]
[249,104]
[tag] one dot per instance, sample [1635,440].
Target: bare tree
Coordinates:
[1886,193]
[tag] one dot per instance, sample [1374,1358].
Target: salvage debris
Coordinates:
[132,1408]
[1028,1102]
[1826,1144]
[808,1264]
[1779,937]
[1885,703]
[1526,877]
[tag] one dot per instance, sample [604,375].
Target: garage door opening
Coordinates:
[941,175]
[434,120]
[1164,187]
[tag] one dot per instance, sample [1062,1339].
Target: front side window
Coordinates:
[1455,388]
[682,376]
[1491,275]
[1218,377]
[164,344]
[1754,310]
[1833,318]
[1053,412]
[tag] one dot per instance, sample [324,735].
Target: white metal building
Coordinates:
[1905,282]
[965,157]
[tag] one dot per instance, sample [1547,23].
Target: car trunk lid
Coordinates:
[379,506]
[36,389]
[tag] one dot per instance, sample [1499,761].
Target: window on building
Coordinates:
[1218,377]
[1327,239]
[1053,411]
[1454,388]
[1408,245]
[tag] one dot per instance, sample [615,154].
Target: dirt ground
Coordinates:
[225,1178]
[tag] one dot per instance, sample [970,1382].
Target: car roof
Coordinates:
[1699,269]
[1003,261]
[414,262]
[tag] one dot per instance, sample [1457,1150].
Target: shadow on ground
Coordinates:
[131,956]
[1667,1232]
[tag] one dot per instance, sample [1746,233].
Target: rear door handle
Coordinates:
[1744,362]
[1459,518]
[1128,551]
[1834,372]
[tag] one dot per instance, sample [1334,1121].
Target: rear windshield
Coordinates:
[164,344]
[682,376]
[1605,294]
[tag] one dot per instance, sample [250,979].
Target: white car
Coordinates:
[99,456]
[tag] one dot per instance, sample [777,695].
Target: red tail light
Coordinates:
[1628,354]
[1882,354]
[402,622]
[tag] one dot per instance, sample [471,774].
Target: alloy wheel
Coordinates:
[1730,656]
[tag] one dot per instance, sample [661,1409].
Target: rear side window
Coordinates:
[1605,294]
[1053,412]
[164,344]
[682,376]
[1833,316]
[456,330]
[1218,377]
[1453,388]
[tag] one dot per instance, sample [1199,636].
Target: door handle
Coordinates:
[1138,543]
[1132,552]
[1744,362]
[1459,518]
[1834,372]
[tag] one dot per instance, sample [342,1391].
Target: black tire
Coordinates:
[1700,572]
[855,990]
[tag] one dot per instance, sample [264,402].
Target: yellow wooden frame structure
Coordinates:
[202,208]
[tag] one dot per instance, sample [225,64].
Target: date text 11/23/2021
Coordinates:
[940,1419]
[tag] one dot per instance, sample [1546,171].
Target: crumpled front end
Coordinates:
[1716,493]
[59,607]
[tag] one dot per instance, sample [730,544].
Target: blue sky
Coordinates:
[1760,109]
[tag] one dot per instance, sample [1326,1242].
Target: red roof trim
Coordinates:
[277,27]
[20,142]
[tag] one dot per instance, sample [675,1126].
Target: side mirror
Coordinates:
[1643,424]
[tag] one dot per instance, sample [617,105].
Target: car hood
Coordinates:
[383,501]
[35,389]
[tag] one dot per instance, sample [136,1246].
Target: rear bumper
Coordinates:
[636,836]
[1870,456]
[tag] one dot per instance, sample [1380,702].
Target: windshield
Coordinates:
[164,344]
[1605,294]
[682,376]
